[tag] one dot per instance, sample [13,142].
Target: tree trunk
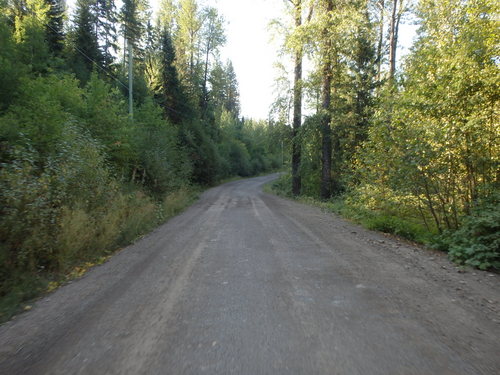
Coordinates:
[205,79]
[326,144]
[297,108]
[393,39]
[380,38]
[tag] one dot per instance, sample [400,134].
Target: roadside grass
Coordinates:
[374,220]
[84,241]
[475,243]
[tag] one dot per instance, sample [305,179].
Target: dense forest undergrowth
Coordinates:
[88,165]
[412,149]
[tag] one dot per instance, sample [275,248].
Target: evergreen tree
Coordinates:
[171,95]
[232,94]
[55,27]
[105,19]
[85,46]
[133,19]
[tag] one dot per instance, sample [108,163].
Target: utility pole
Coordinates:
[130,80]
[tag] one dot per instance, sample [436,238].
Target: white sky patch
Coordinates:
[250,49]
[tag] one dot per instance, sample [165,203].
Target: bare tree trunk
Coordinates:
[380,38]
[393,38]
[326,144]
[297,108]
[205,79]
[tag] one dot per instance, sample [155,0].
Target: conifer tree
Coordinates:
[232,95]
[105,19]
[85,46]
[55,26]
[171,94]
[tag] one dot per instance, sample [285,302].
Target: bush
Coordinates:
[477,241]
[398,226]
[283,185]
[175,202]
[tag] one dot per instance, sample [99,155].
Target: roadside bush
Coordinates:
[33,196]
[399,227]
[136,215]
[162,163]
[175,202]
[477,241]
[283,185]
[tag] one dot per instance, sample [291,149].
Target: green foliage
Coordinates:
[10,69]
[283,185]
[351,208]
[84,43]
[79,176]
[397,226]
[477,242]
[164,163]
[413,155]
[435,141]
[30,21]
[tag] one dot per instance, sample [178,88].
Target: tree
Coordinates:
[172,97]
[55,26]
[362,71]
[232,94]
[167,15]
[213,37]
[381,6]
[133,21]
[10,69]
[398,8]
[85,46]
[30,22]
[105,18]
[297,102]
[326,118]
[436,152]
[187,43]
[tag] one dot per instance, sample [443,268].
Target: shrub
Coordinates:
[283,185]
[397,226]
[477,241]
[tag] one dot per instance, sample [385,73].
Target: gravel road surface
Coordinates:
[244,282]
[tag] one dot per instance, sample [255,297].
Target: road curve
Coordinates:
[248,283]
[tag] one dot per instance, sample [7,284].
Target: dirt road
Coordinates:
[248,283]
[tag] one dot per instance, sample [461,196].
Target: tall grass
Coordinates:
[74,239]
[391,218]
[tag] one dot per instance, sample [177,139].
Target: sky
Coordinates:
[250,49]
[253,53]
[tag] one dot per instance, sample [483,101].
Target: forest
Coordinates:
[409,148]
[111,120]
